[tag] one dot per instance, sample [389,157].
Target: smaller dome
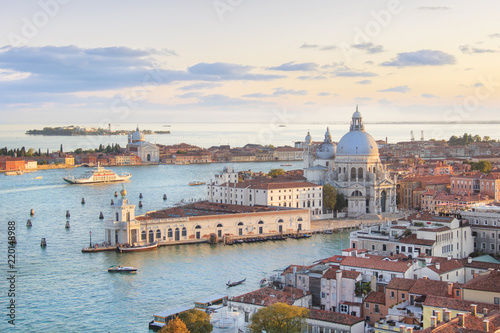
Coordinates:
[137,136]
[326,151]
[308,138]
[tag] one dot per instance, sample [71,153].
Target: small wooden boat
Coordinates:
[232,284]
[122,269]
[264,282]
[138,248]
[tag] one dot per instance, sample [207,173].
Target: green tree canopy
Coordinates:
[482,166]
[196,321]
[276,172]
[341,203]
[174,326]
[279,318]
[329,197]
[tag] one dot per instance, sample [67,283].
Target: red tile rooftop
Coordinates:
[205,208]
[376,297]
[334,317]
[412,239]
[458,304]
[489,282]
[377,262]
[268,296]
[331,274]
[270,184]
[432,287]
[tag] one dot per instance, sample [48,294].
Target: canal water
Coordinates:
[60,289]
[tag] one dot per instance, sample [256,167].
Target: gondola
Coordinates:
[232,284]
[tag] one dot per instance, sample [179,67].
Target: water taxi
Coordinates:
[14,173]
[138,248]
[287,164]
[98,175]
[122,269]
[195,183]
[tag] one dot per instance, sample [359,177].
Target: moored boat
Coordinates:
[98,175]
[264,282]
[138,248]
[122,269]
[232,284]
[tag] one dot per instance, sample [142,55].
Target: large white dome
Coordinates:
[137,136]
[357,143]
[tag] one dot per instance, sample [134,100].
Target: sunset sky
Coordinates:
[75,61]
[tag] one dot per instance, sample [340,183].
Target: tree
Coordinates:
[341,202]
[196,321]
[174,326]
[329,197]
[276,172]
[362,288]
[278,318]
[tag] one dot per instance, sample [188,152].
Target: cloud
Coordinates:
[421,58]
[309,46]
[400,89]
[471,49]
[429,96]
[495,35]
[318,77]
[200,86]
[318,47]
[369,47]
[292,66]
[70,69]
[364,82]
[324,93]
[384,101]
[434,8]
[257,95]
[352,73]
[363,99]
[282,91]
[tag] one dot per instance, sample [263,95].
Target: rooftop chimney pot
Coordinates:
[461,319]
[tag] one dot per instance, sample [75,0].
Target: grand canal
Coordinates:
[60,289]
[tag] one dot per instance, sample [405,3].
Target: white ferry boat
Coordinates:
[98,175]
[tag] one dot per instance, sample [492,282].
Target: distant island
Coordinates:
[77,130]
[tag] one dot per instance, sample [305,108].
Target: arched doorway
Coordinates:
[148,158]
[261,227]
[177,234]
[280,226]
[299,225]
[151,236]
[240,228]
[198,232]
[383,199]
[219,231]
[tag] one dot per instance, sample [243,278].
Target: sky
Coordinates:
[123,61]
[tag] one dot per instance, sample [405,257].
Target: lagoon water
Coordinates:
[60,289]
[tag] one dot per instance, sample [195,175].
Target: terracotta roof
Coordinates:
[268,296]
[376,297]
[412,239]
[434,229]
[289,269]
[401,284]
[346,274]
[334,317]
[458,304]
[376,262]
[446,265]
[432,287]
[485,282]
[269,184]
[471,324]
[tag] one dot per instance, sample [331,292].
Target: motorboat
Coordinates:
[138,248]
[264,282]
[122,269]
[98,175]
[195,183]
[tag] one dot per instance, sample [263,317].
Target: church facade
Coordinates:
[147,152]
[354,168]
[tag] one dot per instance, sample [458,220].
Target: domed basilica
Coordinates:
[147,152]
[353,167]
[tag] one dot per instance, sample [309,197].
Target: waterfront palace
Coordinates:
[354,168]
[197,221]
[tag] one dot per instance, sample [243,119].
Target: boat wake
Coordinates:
[33,188]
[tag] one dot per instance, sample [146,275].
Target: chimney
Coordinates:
[437,314]
[262,302]
[446,315]
[424,277]
[409,330]
[450,289]
[469,260]
[473,309]
[402,328]
[438,266]
[433,321]
[253,300]
[461,319]
[486,325]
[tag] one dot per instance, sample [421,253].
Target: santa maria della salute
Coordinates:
[353,167]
